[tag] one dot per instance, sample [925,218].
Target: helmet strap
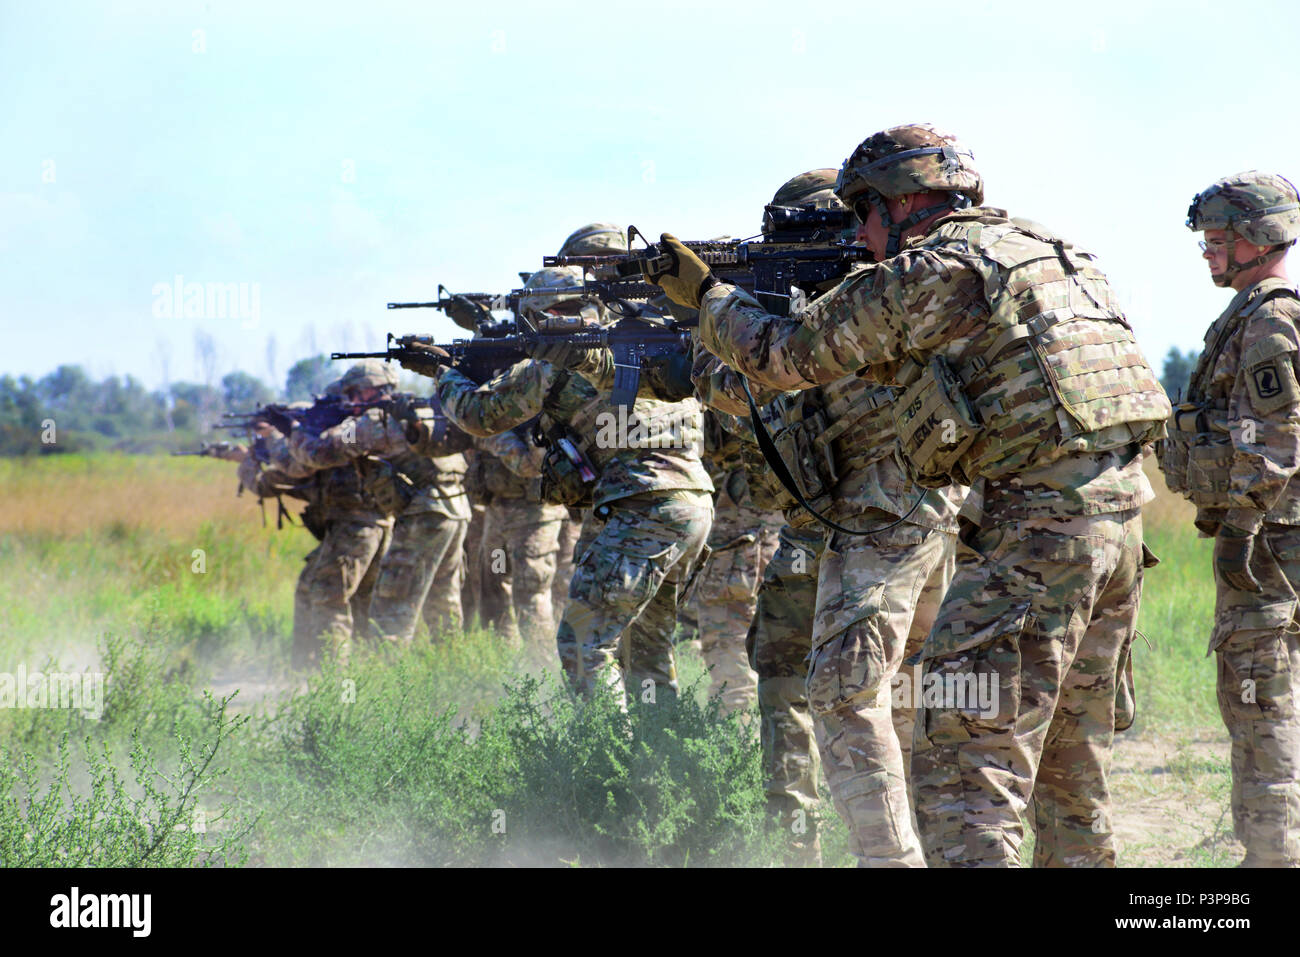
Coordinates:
[955,201]
[1235,268]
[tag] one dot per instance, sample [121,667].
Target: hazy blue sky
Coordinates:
[331,157]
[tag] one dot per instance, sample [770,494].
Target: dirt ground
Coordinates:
[1171,800]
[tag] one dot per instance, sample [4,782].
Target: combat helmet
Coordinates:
[814,189]
[557,298]
[594,239]
[1261,208]
[368,373]
[908,159]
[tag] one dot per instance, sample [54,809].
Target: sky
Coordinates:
[313,161]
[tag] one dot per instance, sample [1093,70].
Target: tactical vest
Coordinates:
[600,432]
[1056,362]
[384,485]
[823,435]
[1196,454]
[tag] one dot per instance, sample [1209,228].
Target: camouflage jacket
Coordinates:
[946,296]
[628,461]
[862,445]
[430,470]
[1246,380]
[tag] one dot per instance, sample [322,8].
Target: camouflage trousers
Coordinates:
[1258,655]
[422,570]
[521,541]
[741,542]
[877,596]
[625,586]
[778,644]
[484,598]
[1020,691]
[570,532]
[335,586]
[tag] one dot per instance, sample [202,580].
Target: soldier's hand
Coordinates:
[282,421]
[669,376]
[1233,548]
[556,351]
[424,359]
[233,453]
[467,314]
[680,273]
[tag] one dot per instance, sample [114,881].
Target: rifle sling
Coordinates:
[782,472]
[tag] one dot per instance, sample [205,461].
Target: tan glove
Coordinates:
[424,360]
[680,273]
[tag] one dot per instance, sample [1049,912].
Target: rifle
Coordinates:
[325,413]
[485,302]
[632,340]
[799,248]
[211,450]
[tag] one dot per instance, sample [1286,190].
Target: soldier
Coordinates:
[877,593]
[1020,375]
[649,492]
[338,577]
[420,478]
[741,543]
[521,535]
[1233,449]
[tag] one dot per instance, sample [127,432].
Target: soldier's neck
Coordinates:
[1273,269]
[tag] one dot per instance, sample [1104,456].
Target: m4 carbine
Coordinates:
[631,339]
[211,450]
[800,248]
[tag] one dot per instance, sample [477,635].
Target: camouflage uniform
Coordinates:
[877,594]
[1233,449]
[988,324]
[485,597]
[522,534]
[570,532]
[778,644]
[421,478]
[339,575]
[651,493]
[424,567]
[741,543]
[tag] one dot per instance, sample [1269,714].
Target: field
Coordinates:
[204,751]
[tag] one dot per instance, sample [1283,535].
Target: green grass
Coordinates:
[443,754]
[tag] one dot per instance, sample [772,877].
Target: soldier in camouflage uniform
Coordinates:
[521,535]
[741,543]
[877,594]
[485,597]
[411,467]
[1020,376]
[1233,449]
[650,494]
[334,589]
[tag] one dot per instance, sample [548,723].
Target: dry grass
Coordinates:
[76,495]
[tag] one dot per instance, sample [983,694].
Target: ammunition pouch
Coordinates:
[1196,455]
[936,425]
[562,481]
[810,461]
[387,489]
[765,490]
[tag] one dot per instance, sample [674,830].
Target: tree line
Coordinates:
[68,411]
